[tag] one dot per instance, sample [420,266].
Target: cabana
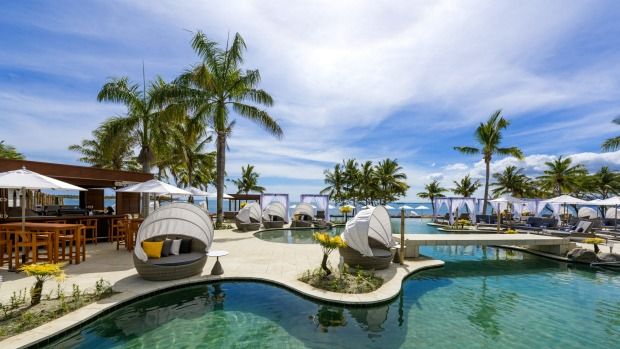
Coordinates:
[249,217]
[175,221]
[455,204]
[320,201]
[266,200]
[588,213]
[274,215]
[369,240]
[303,216]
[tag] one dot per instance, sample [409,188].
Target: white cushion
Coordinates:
[176,245]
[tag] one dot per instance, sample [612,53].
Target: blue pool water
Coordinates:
[482,298]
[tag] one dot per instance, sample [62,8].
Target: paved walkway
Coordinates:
[249,258]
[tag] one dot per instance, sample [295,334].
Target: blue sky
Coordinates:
[351,79]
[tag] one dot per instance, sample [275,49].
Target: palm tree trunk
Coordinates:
[220,168]
[487,164]
[146,168]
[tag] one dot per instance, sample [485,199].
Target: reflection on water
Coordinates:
[483,297]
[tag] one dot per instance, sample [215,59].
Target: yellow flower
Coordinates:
[346,209]
[594,241]
[44,271]
[327,241]
[510,231]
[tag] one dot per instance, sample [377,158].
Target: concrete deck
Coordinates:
[551,243]
[250,258]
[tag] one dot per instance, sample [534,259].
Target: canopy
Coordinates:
[421,207]
[305,209]
[406,207]
[25,179]
[370,223]
[588,212]
[249,212]
[155,187]
[321,202]
[612,212]
[275,208]
[178,218]
[454,204]
[613,201]
[267,199]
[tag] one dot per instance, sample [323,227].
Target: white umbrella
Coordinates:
[24,179]
[414,213]
[388,207]
[196,192]
[292,206]
[504,199]
[421,207]
[406,207]
[214,195]
[153,187]
[331,207]
[613,201]
[366,207]
[566,200]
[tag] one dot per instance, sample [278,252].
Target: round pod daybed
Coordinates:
[369,240]
[174,221]
[303,216]
[249,217]
[588,213]
[274,215]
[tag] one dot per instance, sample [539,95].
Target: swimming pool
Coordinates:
[482,298]
[304,236]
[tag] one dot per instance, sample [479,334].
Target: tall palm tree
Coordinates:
[561,176]
[109,148]
[613,143]
[511,181]
[466,187]
[248,181]
[489,137]
[335,184]
[391,181]
[216,86]
[431,191]
[145,118]
[9,152]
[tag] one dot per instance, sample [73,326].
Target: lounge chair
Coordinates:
[248,218]
[303,216]
[274,215]
[179,220]
[369,240]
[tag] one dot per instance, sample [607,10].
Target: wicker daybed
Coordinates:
[249,217]
[369,240]
[274,215]
[303,216]
[175,221]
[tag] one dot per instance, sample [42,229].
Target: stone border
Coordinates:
[53,330]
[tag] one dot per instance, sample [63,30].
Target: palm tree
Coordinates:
[366,183]
[391,182]
[613,143]
[350,177]
[605,183]
[335,184]
[109,148]
[511,181]
[561,176]
[489,136]
[192,166]
[214,87]
[9,152]
[145,118]
[466,187]
[431,191]
[248,181]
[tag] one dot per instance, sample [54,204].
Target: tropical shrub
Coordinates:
[42,272]
[328,244]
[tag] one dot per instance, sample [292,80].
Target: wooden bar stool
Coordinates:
[122,229]
[30,242]
[67,241]
[90,233]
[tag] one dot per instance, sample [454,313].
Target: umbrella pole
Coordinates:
[616,219]
[402,236]
[21,201]
[499,216]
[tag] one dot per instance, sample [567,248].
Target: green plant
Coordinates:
[76,295]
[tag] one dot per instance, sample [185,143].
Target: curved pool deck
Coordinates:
[250,258]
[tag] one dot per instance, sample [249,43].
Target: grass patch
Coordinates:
[18,315]
[347,281]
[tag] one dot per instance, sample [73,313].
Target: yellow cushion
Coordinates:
[152,248]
